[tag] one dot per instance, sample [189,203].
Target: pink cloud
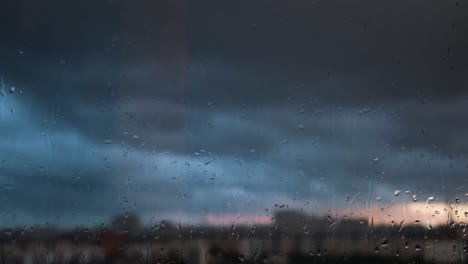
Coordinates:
[229,219]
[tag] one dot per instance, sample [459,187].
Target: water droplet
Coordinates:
[253,229]
[12,89]
[376,250]
[8,231]
[376,159]
[396,192]
[457,200]
[417,247]
[108,141]
[415,198]
[384,243]
[300,126]
[363,111]
[8,187]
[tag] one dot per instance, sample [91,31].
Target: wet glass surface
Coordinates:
[319,131]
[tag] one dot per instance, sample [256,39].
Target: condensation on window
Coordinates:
[321,131]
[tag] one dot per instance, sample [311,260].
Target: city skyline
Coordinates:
[179,110]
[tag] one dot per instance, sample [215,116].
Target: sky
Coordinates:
[193,110]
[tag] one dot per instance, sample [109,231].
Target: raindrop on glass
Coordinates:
[8,231]
[384,243]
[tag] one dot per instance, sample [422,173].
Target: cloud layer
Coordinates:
[204,113]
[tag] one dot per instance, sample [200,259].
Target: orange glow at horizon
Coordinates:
[429,214]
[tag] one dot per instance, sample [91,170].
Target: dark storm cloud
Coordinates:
[383,50]
[306,158]
[181,109]
[439,125]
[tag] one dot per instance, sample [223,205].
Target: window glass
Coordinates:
[320,131]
